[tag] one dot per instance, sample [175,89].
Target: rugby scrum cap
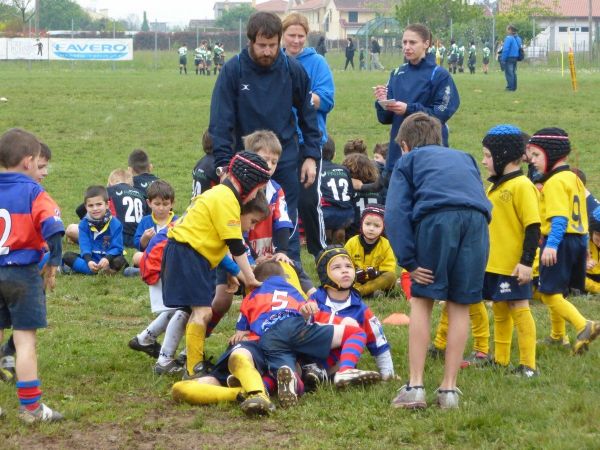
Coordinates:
[375,209]
[249,170]
[555,144]
[505,143]
[324,259]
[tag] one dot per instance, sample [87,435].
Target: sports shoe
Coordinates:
[181,359]
[448,398]
[41,414]
[436,353]
[476,359]
[258,404]
[153,350]
[287,387]
[355,376]
[410,397]
[525,371]
[313,376]
[7,369]
[563,342]
[64,269]
[589,333]
[131,272]
[171,368]
[201,369]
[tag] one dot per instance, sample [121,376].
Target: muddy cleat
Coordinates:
[410,397]
[589,334]
[563,342]
[476,359]
[313,376]
[152,350]
[41,414]
[448,398]
[355,376]
[525,371]
[172,368]
[257,404]
[201,369]
[287,387]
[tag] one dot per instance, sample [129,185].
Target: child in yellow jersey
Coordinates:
[372,255]
[564,227]
[592,276]
[198,242]
[514,237]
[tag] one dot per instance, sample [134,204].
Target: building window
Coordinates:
[353,16]
[562,29]
[585,29]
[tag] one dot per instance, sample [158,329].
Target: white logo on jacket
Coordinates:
[245,87]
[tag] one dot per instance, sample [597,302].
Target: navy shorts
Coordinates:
[22,298]
[291,337]
[183,60]
[337,218]
[503,288]
[454,244]
[187,279]
[569,270]
[221,370]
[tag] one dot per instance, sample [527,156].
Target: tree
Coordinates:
[25,12]
[145,26]
[230,19]
[59,14]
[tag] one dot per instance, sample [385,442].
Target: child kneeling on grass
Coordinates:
[436,218]
[372,255]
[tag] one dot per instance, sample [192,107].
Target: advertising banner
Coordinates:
[91,49]
[26,48]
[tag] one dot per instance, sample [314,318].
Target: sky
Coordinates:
[172,11]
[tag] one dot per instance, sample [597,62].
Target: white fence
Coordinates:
[66,49]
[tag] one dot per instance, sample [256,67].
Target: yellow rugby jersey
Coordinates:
[211,218]
[381,257]
[514,207]
[563,194]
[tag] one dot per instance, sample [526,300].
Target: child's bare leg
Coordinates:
[137,257]
[458,330]
[26,361]
[418,337]
[72,233]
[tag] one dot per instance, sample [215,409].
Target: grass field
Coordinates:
[92,116]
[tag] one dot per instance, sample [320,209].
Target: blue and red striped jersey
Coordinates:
[151,261]
[28,217]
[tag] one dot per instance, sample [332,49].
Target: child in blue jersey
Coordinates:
[336,196]
[29,219]
[337,297]
[100,237]
[204,174]
[564,231]
[436,217]
[161,198]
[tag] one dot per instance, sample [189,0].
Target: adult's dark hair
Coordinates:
[423,32]
[512,29]
[264,23]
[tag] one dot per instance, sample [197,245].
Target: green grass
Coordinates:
[92,116]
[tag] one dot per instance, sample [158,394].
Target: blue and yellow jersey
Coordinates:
[380,258]
[108,241]
[209,220]
[563,194]
[515,206]
[147,222]
[28,217]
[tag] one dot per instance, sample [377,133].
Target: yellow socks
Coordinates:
[441,333]
[195,393]
[244,370]
[194,341]
[526,334]
[480,327]
[565,310]
[503,329]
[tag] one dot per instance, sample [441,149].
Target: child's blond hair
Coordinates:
[262,140]
[120,176]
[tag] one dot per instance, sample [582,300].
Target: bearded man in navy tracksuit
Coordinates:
[257,90]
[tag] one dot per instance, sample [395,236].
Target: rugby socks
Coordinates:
[80,266]
[441,333]
[526,335]
[405,283]
[195,393]
[354,341]
[173,334]
[480,327]
[214,321]
[503,330]
[194,340]
[29,394]
[155,329]
[270,384]
[564,309]
[243,369]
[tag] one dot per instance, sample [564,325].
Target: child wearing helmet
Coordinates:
[372,254]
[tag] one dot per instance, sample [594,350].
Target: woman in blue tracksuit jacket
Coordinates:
[417,85]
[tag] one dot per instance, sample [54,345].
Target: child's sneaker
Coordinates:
[410,397]
[171,368]
[131,272]
[589,333]
[7,369]
[476,359]
[448,398]
[287,387]
[563,342]
[41,414]
[258,405]
[201,369]
[153,350]
[181,359]
[313,376]
[525,371]
[355,376]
